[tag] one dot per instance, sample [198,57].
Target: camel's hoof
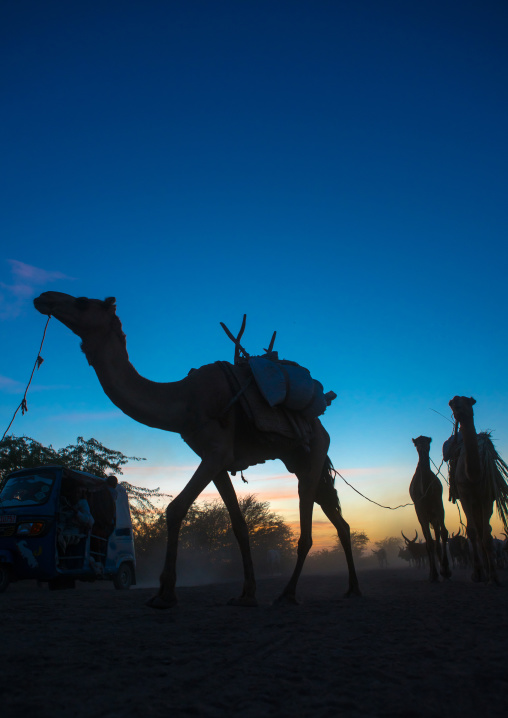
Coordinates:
[353,592]
[446,574]
[476,577]
[161,603]
[286,599]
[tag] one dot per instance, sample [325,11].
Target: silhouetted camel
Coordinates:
[478,479]
[201,408]
[426,493]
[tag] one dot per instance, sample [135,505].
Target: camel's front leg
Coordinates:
[228,495]
[431,551]
[175,513]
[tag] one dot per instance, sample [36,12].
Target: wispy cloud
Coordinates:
[49,387]
[10,386]
[87,416]
[25,280]
[170,469]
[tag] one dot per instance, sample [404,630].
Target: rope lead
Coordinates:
[23,403]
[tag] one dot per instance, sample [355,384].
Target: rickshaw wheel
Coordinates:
[5,577]
[123,579]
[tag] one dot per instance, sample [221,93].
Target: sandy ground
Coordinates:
[405,649]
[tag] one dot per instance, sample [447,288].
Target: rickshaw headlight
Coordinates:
[31,528]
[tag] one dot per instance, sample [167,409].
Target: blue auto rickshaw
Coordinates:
[58,525]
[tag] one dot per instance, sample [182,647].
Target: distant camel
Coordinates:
[202,408]
[477,479]
[426,493]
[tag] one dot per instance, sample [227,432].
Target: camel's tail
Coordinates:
[495,473]
[326,493]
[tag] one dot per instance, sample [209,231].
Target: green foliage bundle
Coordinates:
[495,475]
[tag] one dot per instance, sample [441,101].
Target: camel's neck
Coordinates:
[423,473]
[423,460]
[472,453]
[160,405]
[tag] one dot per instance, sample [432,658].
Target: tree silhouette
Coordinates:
[359,541]
[22,452]
[206,533]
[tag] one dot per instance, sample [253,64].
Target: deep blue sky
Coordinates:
[336,170]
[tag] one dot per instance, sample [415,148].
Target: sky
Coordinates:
[335,170]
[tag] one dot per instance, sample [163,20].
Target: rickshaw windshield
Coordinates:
[27,490]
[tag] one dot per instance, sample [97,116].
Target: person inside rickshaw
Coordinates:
[75,521]
[104,512]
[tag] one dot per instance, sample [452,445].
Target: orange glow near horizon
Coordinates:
[281,492]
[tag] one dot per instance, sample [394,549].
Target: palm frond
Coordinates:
[495,473]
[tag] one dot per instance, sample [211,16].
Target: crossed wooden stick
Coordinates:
[236,341]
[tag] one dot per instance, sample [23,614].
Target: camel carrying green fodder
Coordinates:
[478,478]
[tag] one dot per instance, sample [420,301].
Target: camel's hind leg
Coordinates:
[474,531]
[228,495]
[309,473]
[442,545]
[304,542]
[487,543]
[330,504]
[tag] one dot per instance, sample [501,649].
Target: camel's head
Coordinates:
[422,444]
[88,318]
[462,408]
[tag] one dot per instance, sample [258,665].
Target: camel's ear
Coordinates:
[414,441]
[472,401]
[109,302]
[430,440]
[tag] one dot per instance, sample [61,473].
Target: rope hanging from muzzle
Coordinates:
[23,403]
[391,508]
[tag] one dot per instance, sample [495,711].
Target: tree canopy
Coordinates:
[391,544]
[359,541]
[22,452]
[208,526]
[206,533]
